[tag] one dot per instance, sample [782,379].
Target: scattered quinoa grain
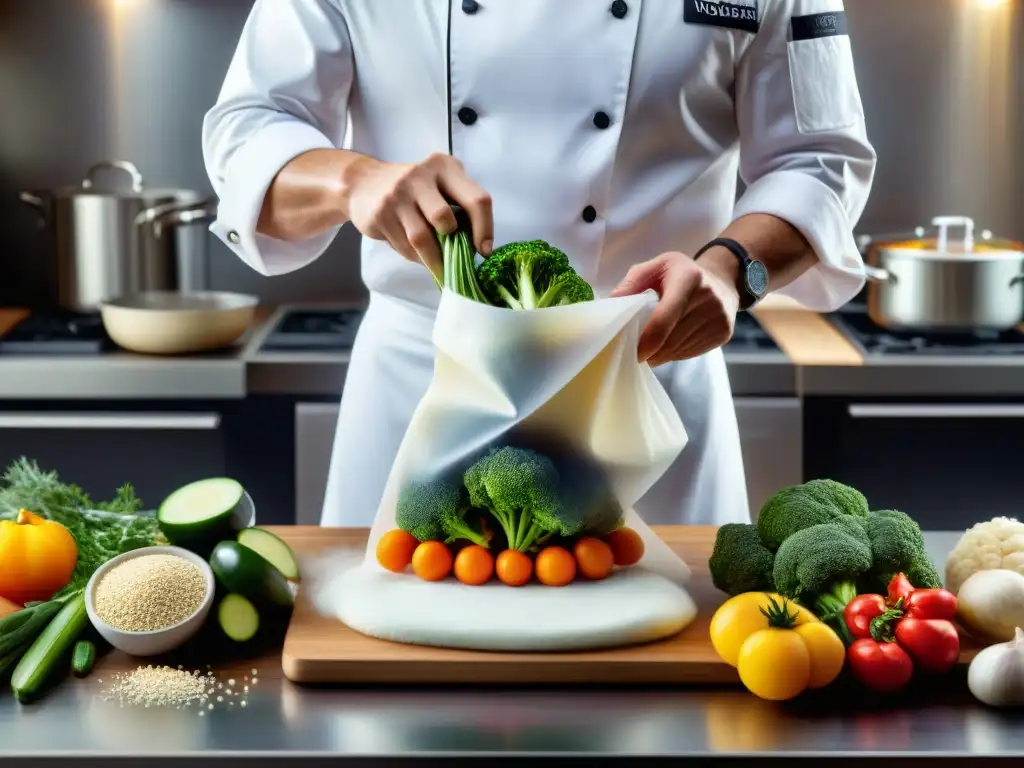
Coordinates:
[149,593]
[156,686]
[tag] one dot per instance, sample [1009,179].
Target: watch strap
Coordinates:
[748,297]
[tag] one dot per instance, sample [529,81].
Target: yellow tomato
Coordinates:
[739,617]
[775,664]
[828,654]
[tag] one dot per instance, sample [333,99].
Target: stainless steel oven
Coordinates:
[949,462]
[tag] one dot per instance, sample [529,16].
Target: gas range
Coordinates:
[57,334]
[875,341]
[749,336]
[334,330]
[314,330]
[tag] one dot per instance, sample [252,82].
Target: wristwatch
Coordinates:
[753,280]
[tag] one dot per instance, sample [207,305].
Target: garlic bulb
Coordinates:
[996,676]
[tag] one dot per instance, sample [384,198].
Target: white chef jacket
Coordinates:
[614,129]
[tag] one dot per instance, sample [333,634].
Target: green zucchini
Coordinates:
[273,550]
[82,658]
[47,654]
[244,572]
[200,514]
[22,628]
[238,618]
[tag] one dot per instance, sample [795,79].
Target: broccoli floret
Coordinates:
[898,547]
[740,562]
[820,566]
[567,288]
[801,506]
[530,274]
[436,510]
[519,487]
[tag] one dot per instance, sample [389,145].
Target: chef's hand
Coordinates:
[407,205]
[697,308]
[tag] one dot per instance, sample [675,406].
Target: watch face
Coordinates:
[757,278]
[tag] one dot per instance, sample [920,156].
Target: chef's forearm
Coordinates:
[775,242]
[309,195]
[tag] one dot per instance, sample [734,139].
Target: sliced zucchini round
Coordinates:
[238,618]
[242,571]
[273,550]
[200,514]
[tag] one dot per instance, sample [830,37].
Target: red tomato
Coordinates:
[930,604]
[860,611]
[882,667]
[933,644]
[900,587]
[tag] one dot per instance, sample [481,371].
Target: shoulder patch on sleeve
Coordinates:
[739,14]
[818,25]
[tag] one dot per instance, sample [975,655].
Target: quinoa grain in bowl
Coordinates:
[149,593]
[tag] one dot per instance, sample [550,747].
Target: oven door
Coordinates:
[949,464]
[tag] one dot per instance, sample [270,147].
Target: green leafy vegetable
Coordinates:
[102,530]
[801,506]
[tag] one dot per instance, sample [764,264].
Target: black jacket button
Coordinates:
[467,116]
[602,121]
[470,6]
[589,214]
[620,9]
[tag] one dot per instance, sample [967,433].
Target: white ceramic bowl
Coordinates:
[157,641]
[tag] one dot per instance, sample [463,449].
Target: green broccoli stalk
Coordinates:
[436,510]
[459,266]
[519,488]
[801,506]
[740,562]
[819,566]
[531,274]
[898,547]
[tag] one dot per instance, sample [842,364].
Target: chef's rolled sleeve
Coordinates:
[804,151]
[289,78]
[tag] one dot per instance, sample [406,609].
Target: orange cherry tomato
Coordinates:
[627,546]
[594,558]
[474,565]
[555,566]
[514,568]
[432,561]
[395,548]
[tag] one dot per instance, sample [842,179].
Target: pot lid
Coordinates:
[122,179]
[938,242]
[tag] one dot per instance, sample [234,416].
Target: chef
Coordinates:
[614,129]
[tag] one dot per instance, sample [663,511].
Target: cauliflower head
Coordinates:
[997,543]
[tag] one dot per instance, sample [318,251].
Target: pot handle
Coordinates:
[945,222]
[1016,281]
[114,165]
[177,215]
[39,203]
[878,275]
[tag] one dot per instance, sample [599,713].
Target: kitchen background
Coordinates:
[89,80]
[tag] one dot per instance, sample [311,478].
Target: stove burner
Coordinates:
[314,330]
[875,340]
[748,335]
[60,334]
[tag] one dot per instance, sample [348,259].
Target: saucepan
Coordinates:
[171,323]
[115,239]
[926,281]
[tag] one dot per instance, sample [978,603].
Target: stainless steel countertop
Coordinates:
[248,370]
[288,720]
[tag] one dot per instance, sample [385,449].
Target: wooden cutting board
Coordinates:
[321,650]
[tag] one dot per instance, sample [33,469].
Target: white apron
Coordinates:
[615,129]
